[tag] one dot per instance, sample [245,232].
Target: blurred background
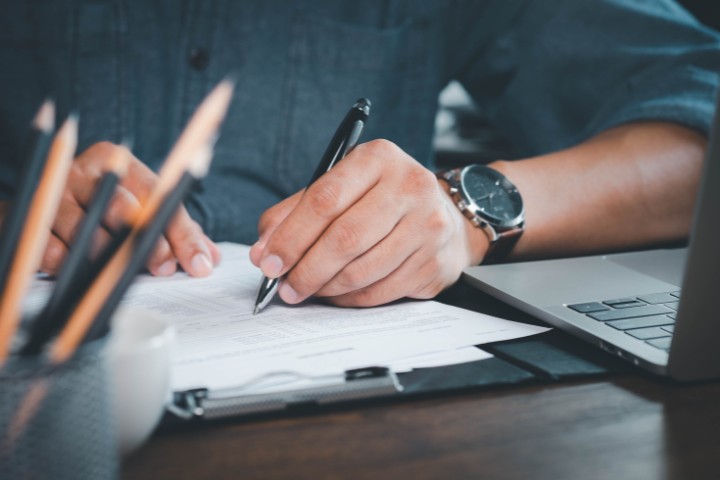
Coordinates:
[464,136]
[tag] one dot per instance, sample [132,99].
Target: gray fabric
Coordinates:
[548,74]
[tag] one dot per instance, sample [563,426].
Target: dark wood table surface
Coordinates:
[619,426]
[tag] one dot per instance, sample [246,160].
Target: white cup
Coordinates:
[139,352]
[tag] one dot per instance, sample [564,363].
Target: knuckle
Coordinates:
[324,197]
[352,277]
[185,231]
[437,222]
[301,278]
[54,256]
[345,238]
[381,147]
[103,149]
[365,297]
[122,205]
[418,180]
[431,290]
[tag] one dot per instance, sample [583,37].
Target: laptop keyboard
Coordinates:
[650,318]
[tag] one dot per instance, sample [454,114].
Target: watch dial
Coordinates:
[495,197]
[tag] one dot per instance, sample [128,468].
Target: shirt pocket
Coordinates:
[331,65]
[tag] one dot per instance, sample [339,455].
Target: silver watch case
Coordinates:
[491,226]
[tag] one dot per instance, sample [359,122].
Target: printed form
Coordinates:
[221,344]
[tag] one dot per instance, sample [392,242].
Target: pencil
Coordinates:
[146,239]
[77,269]
[36,231]
[36,152]
[200,131]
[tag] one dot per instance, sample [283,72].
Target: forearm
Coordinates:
[631,186]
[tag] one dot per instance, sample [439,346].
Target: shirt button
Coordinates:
[198,58]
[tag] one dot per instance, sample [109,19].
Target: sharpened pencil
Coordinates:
[146,241]
[36,231]
[77,270]
[200,131]
[34,157]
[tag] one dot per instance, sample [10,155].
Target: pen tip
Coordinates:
[256,310]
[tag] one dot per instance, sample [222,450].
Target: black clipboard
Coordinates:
[552,356]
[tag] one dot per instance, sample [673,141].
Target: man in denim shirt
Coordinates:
[607,104]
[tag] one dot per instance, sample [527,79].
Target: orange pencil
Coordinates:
[36,232]
[200,132]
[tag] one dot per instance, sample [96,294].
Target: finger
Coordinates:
[215,253]
[269,221]
[122,210]
[189,245]
[67,222]
[162,262]
[355,232]
[89,168]
[322,203]
[68,219]
[54,255]
[375,264]
[416,278]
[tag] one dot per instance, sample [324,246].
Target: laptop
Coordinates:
[658,309]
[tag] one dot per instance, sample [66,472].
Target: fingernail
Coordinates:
[167,268]
[271,266]
[201,265]
[287,293]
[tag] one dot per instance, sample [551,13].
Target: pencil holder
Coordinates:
[55,421]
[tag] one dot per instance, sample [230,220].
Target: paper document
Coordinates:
[222,344]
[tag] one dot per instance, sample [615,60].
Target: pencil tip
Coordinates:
[45,118]
[73,118]
[230,78]
[201,163]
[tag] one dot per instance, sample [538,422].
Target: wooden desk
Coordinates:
[623,426]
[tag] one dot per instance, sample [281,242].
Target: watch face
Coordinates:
[494,197]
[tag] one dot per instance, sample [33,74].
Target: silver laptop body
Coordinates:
[678,291]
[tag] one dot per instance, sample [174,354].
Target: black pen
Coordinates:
[345,138]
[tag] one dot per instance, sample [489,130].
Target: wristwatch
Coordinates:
[491,203]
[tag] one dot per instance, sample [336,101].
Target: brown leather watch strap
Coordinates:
[501,248]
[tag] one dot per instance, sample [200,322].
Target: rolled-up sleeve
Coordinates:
[560,71]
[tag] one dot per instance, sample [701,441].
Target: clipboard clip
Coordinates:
[355,384]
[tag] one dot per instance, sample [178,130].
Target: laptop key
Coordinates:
[620,301]
[663,343]
[632,304]
[669,328]
[588,307]
[648,333]
[675,294]
[645,311]
[673,305]
[655,298]
[641,322]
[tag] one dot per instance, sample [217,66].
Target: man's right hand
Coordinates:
[183,243]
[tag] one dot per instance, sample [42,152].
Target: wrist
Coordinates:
[492,205]
[475,240]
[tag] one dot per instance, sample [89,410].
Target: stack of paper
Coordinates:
[221,344]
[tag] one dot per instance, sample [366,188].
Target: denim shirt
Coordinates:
[547,73]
